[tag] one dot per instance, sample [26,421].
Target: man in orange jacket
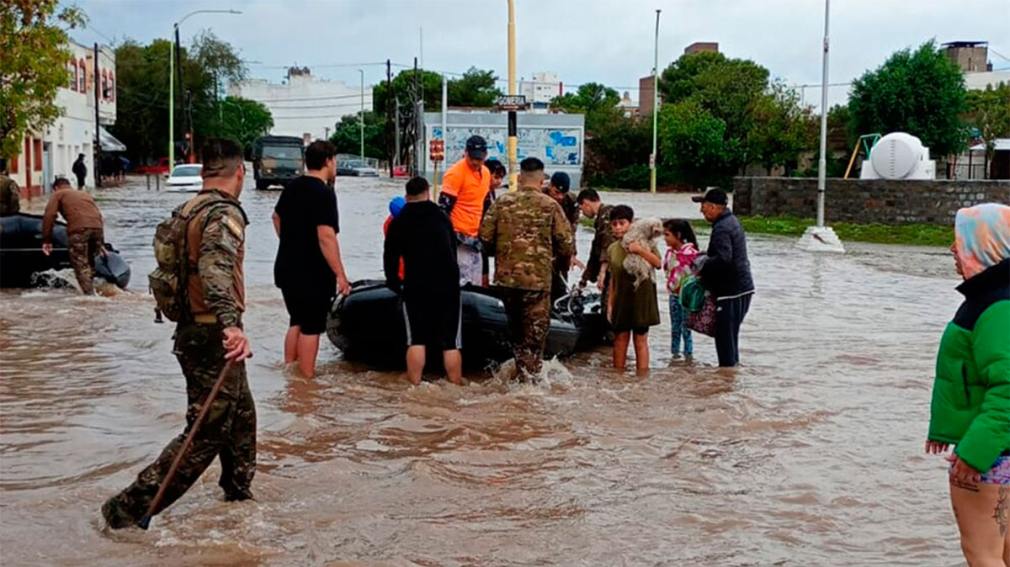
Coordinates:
[464,189]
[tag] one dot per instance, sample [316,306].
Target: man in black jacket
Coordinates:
[726,274]
[423,236]
[80,171]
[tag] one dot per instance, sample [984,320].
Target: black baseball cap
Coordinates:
[476,147]
[561,180]
[714,195]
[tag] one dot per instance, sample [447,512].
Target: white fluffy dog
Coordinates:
[644,232]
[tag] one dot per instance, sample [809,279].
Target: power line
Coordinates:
[998,54]
[305,98]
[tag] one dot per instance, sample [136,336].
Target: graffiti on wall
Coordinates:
[554,146]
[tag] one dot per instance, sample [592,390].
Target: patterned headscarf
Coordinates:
[982,237]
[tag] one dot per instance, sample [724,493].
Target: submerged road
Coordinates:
[810,455]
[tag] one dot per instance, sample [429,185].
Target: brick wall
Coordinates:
[871,200]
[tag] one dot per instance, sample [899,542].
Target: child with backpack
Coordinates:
[678,263]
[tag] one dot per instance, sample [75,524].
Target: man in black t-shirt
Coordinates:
[423,236]
[308,269]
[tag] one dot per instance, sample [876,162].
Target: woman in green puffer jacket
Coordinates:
[971,393]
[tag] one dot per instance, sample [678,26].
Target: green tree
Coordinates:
[142,92]
[920,92]
[429,82]
[989,112]
[476,88]
[242,120]
[693,144]
[142,98]
[727,89]
[33,66]
[347,136]
[614,147]
[780,129]
[596,101]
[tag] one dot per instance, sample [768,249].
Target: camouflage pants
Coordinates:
[83,245]
[228,432]
[529,317]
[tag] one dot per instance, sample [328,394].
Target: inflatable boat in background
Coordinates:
[21,256]
[368,326]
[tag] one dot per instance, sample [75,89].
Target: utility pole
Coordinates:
[655,109]
[389,115]
[513,141]
[171,103]
[361,115]
[822,238]
[98,136]
[182,88]
[822,163]
[396,137]
[174,61]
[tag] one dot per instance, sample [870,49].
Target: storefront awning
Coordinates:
[109,142]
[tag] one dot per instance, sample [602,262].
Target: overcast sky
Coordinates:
[607,41]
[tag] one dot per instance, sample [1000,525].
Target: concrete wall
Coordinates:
[854,200]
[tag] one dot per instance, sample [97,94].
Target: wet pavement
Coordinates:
[811,454]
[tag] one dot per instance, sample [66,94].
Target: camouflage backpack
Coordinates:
[170,279]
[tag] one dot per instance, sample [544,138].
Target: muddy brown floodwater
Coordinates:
[810,455]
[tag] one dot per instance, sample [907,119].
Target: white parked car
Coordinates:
[185,178]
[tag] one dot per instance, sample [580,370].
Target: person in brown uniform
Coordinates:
[85,234]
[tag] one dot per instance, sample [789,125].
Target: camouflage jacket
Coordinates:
[525,230]
[216,242]
[571,210]
[10,196]
[602,239]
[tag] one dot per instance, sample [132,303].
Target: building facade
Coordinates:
[50,152]
[540,90]
[702,47]
[970,56]
[303,105]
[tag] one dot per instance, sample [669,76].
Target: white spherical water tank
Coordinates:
[896,155]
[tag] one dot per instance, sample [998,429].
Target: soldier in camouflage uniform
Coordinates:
[591,206]
[525,231]
[558,189]
[203,342]
[10,195]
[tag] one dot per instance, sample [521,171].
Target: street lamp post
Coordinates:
[655,109]
[361,117]
[821,238]
[173,49]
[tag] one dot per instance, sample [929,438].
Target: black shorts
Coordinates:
[308,309]
[434,322]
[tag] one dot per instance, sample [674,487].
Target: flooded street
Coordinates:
[810,455]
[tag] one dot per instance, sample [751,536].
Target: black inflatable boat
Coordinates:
[21,254]
[368,326]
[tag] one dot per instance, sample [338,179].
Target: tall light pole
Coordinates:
[361,117]
[513,141]
[655,109]
[822,238]
[174,47]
